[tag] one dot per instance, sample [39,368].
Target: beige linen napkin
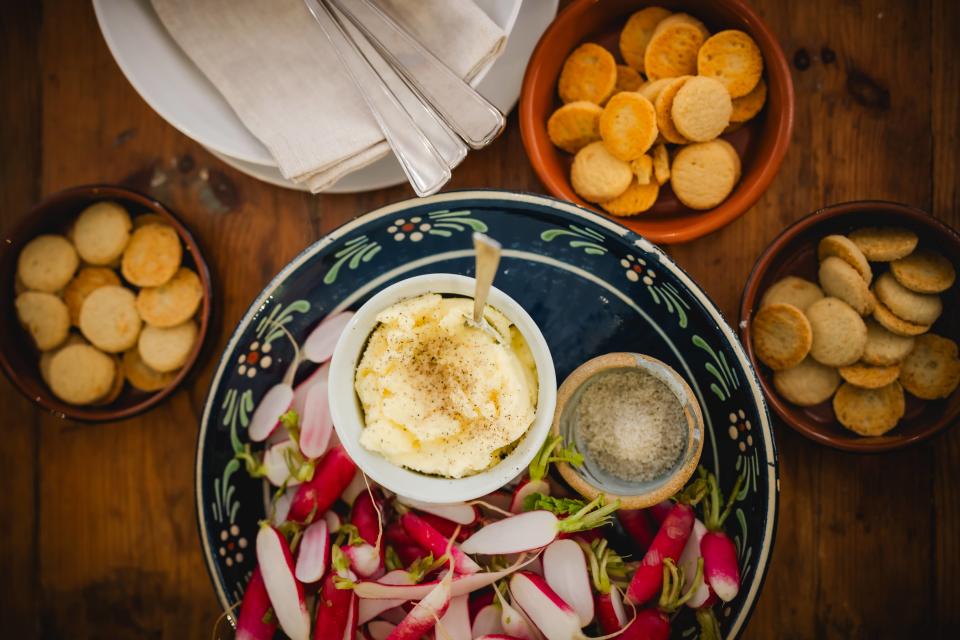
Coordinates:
[279,73]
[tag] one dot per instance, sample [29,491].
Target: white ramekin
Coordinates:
[347,413]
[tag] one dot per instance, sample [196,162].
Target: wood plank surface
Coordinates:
[98,538]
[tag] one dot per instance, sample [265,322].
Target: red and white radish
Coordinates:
[535,529]
[253,611]
[610,611]
[364,560]
[456,512]
[313,555]
[357,486]
[548,611]
[285,591]
[316,425]
[565,570]
[446,528]
[423,617]
[336,610]
[668,543]
[331,476]
[320,374]
[648,624]
[455,623]
[379,630]
[487,621]
[319,345]
[434,542]
[721,569]
[513,621]
[365,516]
[688,563]
[276,464]
[525,489]
[639,526]
[654,622]
[275,403]
[281,506]
[370,609]
[333,521]
[462,585]
[551,451]
[604,562]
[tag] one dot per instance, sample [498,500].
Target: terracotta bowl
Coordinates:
[761,143]
[589,479]
[794,252]
[19,358]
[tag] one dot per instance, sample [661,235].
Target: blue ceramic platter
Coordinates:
[591,285]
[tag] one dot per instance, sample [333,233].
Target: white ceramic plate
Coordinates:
[175,88]
[501,86]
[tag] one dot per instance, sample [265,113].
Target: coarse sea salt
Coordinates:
[631,424]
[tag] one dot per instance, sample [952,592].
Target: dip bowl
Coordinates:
[589,479]
[347,413]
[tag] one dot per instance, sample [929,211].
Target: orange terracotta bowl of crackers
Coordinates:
[851,318]
[109,303]
[671,118]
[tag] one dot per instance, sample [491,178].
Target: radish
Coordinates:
[272,406]
[446,528]
[357,486]
[281,505]
[462,585]
[498,636]
[659,511]
[457,512]
[513,621]
[668,543]
[319,345]
[648,624]
[333,521]
[639,526]
[379,630]
[455,623]
[604,563]
[423,617]
[336,610]
[548,611]
[251,623]
[688,563]
[364,559]
[365,516]
[535,529]
[487,621]
[499,502]
[285,591]
[313,555]
[720,567]
[320,374]
[332,474]
[410,553]
[551,451]
[565,570]
[432,541]
[653,623]
[281,464]
[370,609]
[316,425]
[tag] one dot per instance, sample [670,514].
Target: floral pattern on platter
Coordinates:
[232,545]
[257,358]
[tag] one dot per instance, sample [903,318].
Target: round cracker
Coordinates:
[781,336]
[47,263]
[672,51]
[919,308]
[589,73]
[172,303]
[636,199]
[734,59]
[116,388]
[868,376]
[101,232]
[747,107]
[87,280]
[628,79]
[895,324]
[703,174]
[684,18]
[883,347]
[924,271]
[650,90]
[152,256]
[597,175]
[47,356]
[807,384]
[664,108]
[45,318]
[839,333]
[842,281]
[869,412]
[80,374]
[844,248]
[701,109]
[143,377]
[642,169]
[165,350]
[574,125]
[628,125]
[932,370]
[883,244]
[792,290]
[109,319]
[637,33]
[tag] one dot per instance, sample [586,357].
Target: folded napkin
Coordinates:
[280,74]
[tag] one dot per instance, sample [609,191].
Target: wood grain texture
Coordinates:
[103,542]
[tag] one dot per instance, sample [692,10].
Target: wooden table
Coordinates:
[98,536]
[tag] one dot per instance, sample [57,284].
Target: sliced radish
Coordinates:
[610,611]
[275,463]
[546,609]
[335,611]
[433,541]
[316,425]
[688,562]
[285,591]
[487,621]
[333,521]
[565,570]
[380,630]
[364,560]
[525,489]
[266,416]
[462,585]
[455,623]
[256,604]
[512,620]
[330,477]
[320,375]
[423,617]
[356,487]
[458,512]
[370,609]
[319,345]
[281,508]
[313,557]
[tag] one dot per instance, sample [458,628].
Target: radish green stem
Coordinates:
[541,463]
[589,517]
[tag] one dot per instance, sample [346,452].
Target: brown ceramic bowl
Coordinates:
[794,252]
[589,480]
[20,359]
[761,143]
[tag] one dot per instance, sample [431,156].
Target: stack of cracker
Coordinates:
[680,86]
[144,314]
[862,345]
